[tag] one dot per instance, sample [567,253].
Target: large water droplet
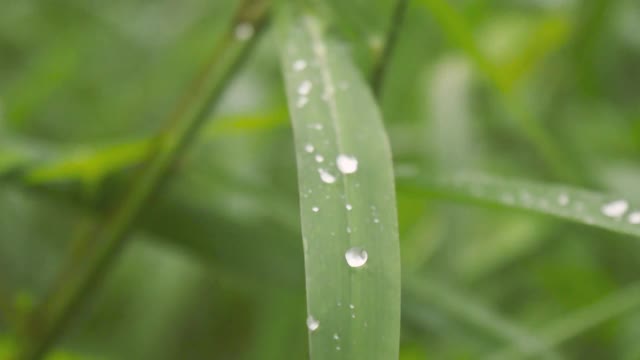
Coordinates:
[299,65]
[615,209]
[312,323]
[356,257]
[347,164]
[326,177]
[634,218]
[305,87]
[244,31]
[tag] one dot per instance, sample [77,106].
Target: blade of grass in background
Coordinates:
[347,199]
[101,245]
[430,290]
[582,206]
[582,320]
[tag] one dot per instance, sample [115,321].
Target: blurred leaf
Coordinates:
[562,201]
[347,200]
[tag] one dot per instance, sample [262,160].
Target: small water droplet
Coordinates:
[316,126]
[349,207]
[376,220]
[351,306]
[312,323]
[305,87]
[302,101]
[309,148]
[319,158]
[615,209]
[336,336]
[244,31]
[356,257]
[563,199]
[353,316]
[348,230]
[299,65]
[634,218]
[326,177]
[315,209]
[338,348]
[347,164]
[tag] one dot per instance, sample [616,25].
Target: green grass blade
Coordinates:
[578,205]
[583,319]
[333,114]
[435,292]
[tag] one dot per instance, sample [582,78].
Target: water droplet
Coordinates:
[348,230]
[338,348]
[336,336]
[376,220]
[356,257]
[353,316]
[615,209]
[563,199]
[312,323]
[302,101]
[326,177]
[634,218]
[244,31]
[315,209]
[347,164]
[351,306]
[305,87]
[319,158]
[299,65]
[309,148]
[349,207]
[316,126]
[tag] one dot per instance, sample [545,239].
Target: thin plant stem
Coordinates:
[103,242]
[381,66]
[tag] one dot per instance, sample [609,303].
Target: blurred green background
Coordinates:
[539,89]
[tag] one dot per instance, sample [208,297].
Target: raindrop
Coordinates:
[351,306]
[349,207]
[319,158]
[312,323]
[615,209]
[299,65]
[634,218]
[326,177]
[563,199]
[356,257]
[305,87]
[309,148]
[244,31]
[336,336]
[347,164]
[302,101]
[315,209]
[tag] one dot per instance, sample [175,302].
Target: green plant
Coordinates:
[206,235]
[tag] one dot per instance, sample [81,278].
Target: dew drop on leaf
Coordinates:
[347,164]
[315,209]
[244,31]
[326,177]
[309,148]
[634,218]
[319,158]
[356,257]
[615,209]
[299,65]
[312,323]
[305,87]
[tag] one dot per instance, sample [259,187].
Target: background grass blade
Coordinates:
[333,114]
[566,202]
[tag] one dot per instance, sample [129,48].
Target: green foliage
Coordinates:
[154,199]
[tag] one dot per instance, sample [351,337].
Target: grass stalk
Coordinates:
[103,242]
